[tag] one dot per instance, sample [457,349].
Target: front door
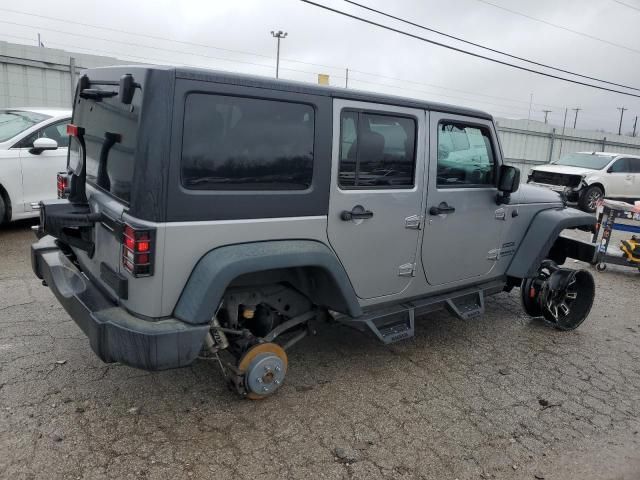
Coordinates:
[376,194]
[39,171]
[464,223]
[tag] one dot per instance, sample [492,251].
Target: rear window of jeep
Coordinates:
[237,143]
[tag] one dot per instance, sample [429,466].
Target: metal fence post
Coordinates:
[72,73]
[604,143]
[553,139]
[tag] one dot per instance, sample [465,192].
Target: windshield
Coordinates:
[13,122]
[584,160]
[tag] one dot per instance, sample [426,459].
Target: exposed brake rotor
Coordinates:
[263,367]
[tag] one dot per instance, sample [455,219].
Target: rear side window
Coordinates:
[238,143]
[465,156]
[376,150]
[634,164]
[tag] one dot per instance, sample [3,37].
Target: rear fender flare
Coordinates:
[218,268]
[540,237]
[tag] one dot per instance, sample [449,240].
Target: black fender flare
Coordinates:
[540,237]
[219,267]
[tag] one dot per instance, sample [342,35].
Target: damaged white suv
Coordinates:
[586,177]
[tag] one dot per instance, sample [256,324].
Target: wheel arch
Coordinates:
[540,237]
[328,284]
[7,204]
[597,184]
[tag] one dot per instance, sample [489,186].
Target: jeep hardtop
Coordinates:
[224,216]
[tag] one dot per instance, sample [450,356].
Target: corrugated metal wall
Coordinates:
[41,77]
[528,143]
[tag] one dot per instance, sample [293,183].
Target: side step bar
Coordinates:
[397,322]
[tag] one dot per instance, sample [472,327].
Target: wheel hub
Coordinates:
[264,367]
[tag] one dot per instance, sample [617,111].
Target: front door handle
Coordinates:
[357,213]
[441,209]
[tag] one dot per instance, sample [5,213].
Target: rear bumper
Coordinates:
[114,334]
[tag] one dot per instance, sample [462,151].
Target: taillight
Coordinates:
[137,250]
[62,185]
[74,130]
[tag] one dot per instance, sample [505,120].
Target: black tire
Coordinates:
[589,198]
[3,211]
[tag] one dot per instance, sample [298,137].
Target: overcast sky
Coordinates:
[330,43]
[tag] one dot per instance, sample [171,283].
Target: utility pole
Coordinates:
[564,123]
[622,109]
[575,119]
[278,36]
[546,113]
[635,124]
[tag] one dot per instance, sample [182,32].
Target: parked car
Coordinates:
[221,215]
[33,149]
[587,177]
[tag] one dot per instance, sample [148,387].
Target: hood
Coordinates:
[564,169]
[533,194]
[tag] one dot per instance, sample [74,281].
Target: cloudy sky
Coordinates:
[599,38]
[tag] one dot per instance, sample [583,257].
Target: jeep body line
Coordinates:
[587,177]
[222,216]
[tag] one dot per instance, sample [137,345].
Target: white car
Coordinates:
[586,177]
[33,149]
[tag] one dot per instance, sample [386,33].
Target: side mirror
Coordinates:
[508,182]
[42,144]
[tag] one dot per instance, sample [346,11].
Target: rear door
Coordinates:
[110,141]
[634,164]
[464,224]
[376,194]
[39,169]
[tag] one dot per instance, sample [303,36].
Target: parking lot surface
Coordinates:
[500,397]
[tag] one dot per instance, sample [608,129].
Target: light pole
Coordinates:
[278,36]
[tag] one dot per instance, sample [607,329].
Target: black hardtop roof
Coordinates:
[255,81]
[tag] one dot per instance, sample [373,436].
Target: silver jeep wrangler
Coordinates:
[216,215]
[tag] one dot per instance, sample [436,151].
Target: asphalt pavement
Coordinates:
[500,397]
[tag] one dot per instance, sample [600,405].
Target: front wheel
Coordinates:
[590,198]
[563,297]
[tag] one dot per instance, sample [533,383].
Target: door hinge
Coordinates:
[414,222]
[501,214]
[407,270]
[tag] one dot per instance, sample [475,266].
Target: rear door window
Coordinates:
[110,138]
[376,150]
[465,156]
[238,143]
[634,164]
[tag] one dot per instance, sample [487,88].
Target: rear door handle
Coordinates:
[441,209]
[357,213]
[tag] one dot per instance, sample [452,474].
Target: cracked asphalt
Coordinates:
[500,397]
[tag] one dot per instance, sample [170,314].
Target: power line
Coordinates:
[561,27]
[466,52]
[627,5]
[459,39]
[154,37]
